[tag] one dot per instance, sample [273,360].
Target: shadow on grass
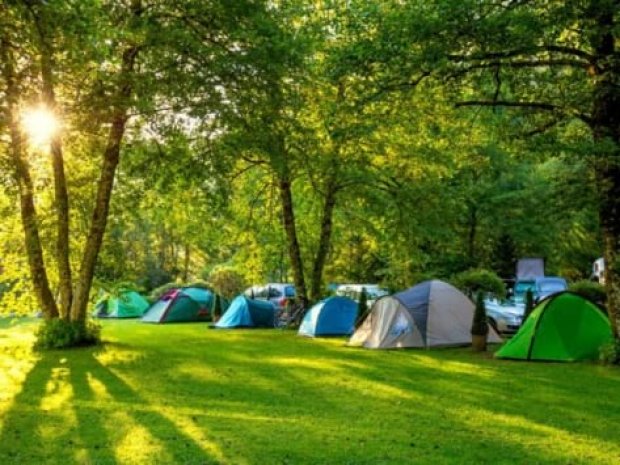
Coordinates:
[74,407]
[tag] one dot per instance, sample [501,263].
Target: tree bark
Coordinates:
[288,215]
[324,239]
[472,225]
[104,189]
[34,250]
[606,131]
[61,197]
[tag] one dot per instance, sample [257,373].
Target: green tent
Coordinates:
[564,327]
[180,305]
[128,304]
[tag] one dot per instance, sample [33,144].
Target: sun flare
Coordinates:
[40,124]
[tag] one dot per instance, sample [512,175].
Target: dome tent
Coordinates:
[181,305]
[430,314]
[334,316]
[128,304]
[563,327]
[247,313]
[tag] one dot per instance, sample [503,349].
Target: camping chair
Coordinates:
[291,316]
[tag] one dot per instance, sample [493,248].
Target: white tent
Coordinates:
[430,314]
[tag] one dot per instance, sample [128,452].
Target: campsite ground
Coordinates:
[189,395]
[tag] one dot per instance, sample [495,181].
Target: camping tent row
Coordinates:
[181,305]
[128,304]
[430,314]
[563,327]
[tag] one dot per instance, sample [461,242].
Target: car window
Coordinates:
[521,288]
[273,292]
[289,291]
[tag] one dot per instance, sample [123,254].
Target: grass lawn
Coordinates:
[185,394]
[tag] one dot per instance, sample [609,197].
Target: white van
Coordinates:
[354,291]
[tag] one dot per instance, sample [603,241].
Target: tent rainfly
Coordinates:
[181,305]
[128,304]
[564,327]
[247,313]
[334,316]
[430,314]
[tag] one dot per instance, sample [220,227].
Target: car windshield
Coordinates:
[376,293]
[521,288]
[551,286]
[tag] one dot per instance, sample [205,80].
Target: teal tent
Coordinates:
[181,305]
[248,313]
[128,304]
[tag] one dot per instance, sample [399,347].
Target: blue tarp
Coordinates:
[330,317]
[248,313]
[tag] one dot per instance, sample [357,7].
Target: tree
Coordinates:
[112,56]
[550,65]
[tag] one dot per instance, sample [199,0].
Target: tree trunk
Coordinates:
[288,215]
[186,258]
[606,131]
[104,189]
[324,239]
[471,235]
[60,182]
[36,262]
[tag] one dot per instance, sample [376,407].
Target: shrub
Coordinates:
[590,290]
[161,290]
[473,281]
[226,281]
[609,354]
[59,334]
[480,326]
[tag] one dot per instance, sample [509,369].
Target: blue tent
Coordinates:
[330,317]
[248,313]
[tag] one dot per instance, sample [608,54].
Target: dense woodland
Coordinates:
[304,141]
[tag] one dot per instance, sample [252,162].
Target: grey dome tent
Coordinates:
[430,314]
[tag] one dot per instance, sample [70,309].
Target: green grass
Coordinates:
[184,394]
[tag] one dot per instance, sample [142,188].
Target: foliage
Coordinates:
[474,281]
[226,281]
[160,291]
[609,354]
[60,334]
[480,325]
[590,290]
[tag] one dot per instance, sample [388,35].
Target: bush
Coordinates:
[473,281]
[480,325]
[590,290]
[59,334]
[161,290]
[609,354]
[226,281]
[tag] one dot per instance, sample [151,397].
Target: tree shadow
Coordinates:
[72,406]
